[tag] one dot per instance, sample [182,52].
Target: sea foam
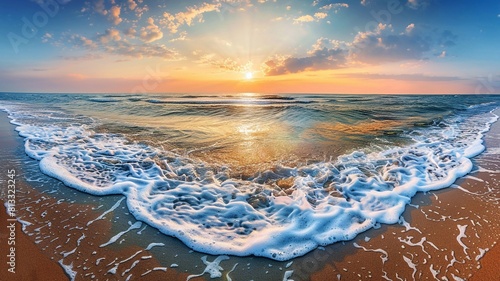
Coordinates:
[212,212]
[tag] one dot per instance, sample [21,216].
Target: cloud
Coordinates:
[308,18]
[100,8]
[46,37]
[400,77]
[217,62]
[410,28]
[114,15]
[418,4]
[301,19]
[110,35]
[151,32]
[83,41]
[335,7]
[131,32]
[142,50]
[383,45]
[182,36]
[174,21]
[131,4]
[321,57]
[320,15]
[110,42]
[443,54]
[195,12]
[139,11]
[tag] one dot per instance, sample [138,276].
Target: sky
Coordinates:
[250,46]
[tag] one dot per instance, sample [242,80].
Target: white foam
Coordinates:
[460,236]
[434,272]
[212,268]
[384,257]
[232,269]
[80,240]
[113,269]
[113,239]
[481,253]
[99,260]
[65,254]
[106,212]
[68,269]
[287,275]
[411,265]
[408,242]
[131,267]
[151,245]
[213,213]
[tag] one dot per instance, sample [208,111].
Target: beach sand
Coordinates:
[448,233]
[31,262]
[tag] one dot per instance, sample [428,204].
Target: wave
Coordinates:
[237,101]
[280,214]
[104,100]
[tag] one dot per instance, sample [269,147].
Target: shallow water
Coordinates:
[272,176]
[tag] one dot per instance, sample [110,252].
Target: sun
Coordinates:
[248,75]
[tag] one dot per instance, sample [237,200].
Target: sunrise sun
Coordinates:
[248,75]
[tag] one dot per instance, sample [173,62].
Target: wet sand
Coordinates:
[31,263]
[446,234]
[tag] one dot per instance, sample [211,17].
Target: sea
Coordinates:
[253,175]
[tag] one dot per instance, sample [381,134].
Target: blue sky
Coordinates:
[368,46]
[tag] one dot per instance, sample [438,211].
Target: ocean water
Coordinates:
[272,176]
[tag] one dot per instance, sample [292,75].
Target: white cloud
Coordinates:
[410,28]
[83,41]
[151,32]
[46,37]
[131,32]
[325,54]
[417,4]
[335,7]
[114,15]
[182,36]
[301,19]
[384,45]
[131,4]
[320,15]
[174,21]
[110,35]
[308,18]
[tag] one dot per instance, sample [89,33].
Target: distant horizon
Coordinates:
[262,46]
[249,94]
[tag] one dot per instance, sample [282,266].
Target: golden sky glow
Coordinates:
[226,46]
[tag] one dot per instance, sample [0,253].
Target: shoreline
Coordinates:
[346,259]
[55,230]
[26,251]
